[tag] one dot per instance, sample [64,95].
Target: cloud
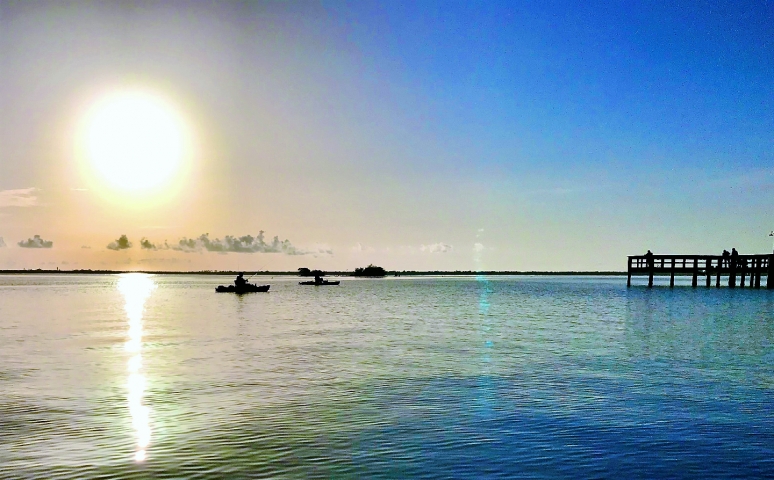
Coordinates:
[243,244]
[122,243]
[35,242]
[86,247]
[2,242]
[437,248]
[22,197]
[146,244]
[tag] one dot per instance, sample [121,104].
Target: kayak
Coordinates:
[248,288]
[324,282]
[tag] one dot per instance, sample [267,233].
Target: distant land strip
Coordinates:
[408,273]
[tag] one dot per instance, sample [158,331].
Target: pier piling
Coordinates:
[695,279]
[758,265]
[672,275]
[708,271]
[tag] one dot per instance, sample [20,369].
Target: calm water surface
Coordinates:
[159,377]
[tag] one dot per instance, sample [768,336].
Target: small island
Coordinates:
[370,271]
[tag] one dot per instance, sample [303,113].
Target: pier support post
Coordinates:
[695,279]
[720,269]
[708,268]
[672,275]
[629,274]
[758,266]
[650,274]
[770,273]
[743,274]
[732,273]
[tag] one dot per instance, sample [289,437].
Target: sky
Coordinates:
[516,135]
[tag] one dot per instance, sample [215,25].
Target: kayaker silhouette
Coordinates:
[240,281]
[318,279]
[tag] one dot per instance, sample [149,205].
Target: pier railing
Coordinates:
[743,267]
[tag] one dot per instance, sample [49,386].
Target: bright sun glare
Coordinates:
[134,141]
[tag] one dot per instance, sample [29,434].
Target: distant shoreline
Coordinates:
[405,273]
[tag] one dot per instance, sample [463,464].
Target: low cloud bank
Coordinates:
[243,244]
[22,197]
[437,248]
[36,242]
[121,243]
[229,244]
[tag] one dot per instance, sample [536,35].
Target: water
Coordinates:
[528,377]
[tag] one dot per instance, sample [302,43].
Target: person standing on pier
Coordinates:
[734,257]
[725,258]
[649,258]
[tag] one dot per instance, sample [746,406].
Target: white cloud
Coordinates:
[22,197]
[121,243]
[36,242]
[243,244]
[439,247]
[146,244]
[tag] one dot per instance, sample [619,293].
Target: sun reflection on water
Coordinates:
[136,288]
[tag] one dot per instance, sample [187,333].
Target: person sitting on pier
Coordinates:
[724,260]
[240,280]
[649,258]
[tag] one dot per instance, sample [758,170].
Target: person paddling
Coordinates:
[240,280]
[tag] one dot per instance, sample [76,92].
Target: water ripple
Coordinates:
[398,378]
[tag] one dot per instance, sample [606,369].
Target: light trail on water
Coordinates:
[136,288]
[486,389]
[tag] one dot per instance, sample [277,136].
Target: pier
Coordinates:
[747,270]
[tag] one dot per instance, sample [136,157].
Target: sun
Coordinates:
[134,141]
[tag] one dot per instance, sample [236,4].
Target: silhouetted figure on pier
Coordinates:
[240,280]
[734,257]
[725,257]
[649,258]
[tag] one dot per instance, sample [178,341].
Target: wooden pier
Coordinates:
[747,269]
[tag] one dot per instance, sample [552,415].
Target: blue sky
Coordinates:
[693,82]
[558,135]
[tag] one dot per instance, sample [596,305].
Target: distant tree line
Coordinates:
[370,271]
[305,272]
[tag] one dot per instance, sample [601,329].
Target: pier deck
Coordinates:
[748,269]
